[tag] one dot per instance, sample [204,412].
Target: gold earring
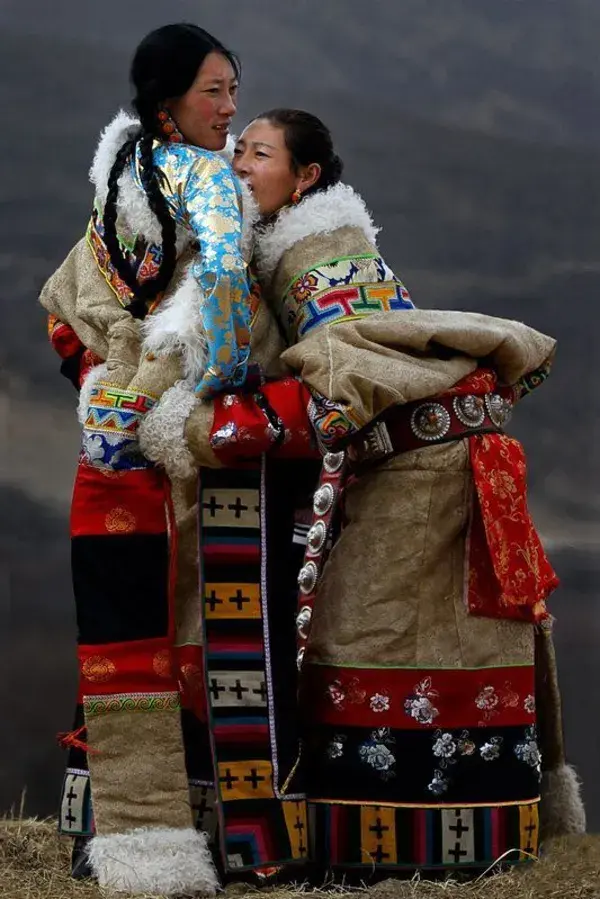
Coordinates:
[296,196]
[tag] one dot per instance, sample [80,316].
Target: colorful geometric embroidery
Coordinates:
[342,290]
[136,702]
[340,304]
[110,430]
[358,835]
[378,833]
[255,822]
[332,422]
[76,806]
[203,802]
[145,258]
[232,600]
[296,819]
[250,779]
[529,820]
[229,508]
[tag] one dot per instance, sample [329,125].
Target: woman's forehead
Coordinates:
[262,132]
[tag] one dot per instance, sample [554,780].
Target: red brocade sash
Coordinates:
[509,575]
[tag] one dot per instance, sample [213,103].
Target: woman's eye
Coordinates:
[237,151]
[260,153]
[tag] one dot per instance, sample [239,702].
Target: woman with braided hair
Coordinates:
[157,294]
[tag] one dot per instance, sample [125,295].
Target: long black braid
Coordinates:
[144,292]
[165,65]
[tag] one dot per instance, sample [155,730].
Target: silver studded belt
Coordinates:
[400,429]
[419,424]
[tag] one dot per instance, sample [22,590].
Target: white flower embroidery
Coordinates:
[226,434]
[444,747]
[420,707]
[529,704]
[380,702]
[335,750]
[439,784]
[93,447]
[377,754]
[491,751]
[487,699]
[378,757]
[528,751]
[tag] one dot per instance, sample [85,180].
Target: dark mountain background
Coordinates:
[472,129]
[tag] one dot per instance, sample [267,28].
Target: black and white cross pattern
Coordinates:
[240,689]
[458,838]
[74,805]
[204,810]
[230,508]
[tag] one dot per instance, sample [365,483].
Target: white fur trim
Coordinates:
[162,431]
[227,151]
[250,218]
[561,808]
[319,213]
[168,861]
[95,374]
[177,326]
[133,210]
[121,128]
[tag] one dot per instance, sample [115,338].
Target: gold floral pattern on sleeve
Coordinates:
[204,194]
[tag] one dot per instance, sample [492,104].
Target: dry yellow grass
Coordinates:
[34,864]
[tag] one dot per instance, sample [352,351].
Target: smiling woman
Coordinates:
[163,247]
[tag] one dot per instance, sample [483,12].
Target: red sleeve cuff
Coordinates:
[242,429]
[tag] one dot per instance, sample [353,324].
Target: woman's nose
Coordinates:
[229,107]
[240,164]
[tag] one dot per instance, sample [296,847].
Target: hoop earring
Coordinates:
[296,196]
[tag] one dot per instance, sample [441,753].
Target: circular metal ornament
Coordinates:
[323,499]
[430,421]
[332,462]
[316,537]
[300,658]
[303,619]
[307,578]
[470,410]
[499,409]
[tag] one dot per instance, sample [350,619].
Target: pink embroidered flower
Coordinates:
[336,694]
[380,702]
[529,704]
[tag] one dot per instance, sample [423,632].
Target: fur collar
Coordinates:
[319,213]
[133,210]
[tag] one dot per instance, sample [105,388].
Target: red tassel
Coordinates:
[71,740]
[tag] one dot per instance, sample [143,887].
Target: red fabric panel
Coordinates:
[134,667]
[240,427]
[414,699]
[118,502]
[509,573]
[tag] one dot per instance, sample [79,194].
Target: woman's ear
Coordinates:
[309,175]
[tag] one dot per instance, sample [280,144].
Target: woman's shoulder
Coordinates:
[337,220]
[188,159]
